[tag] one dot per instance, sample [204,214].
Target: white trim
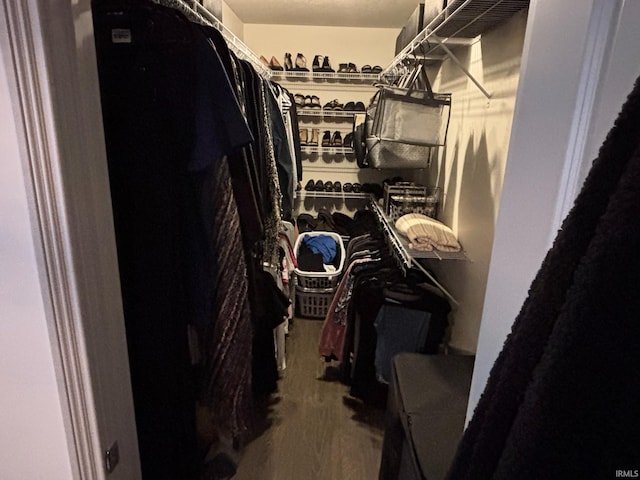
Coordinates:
[40,149]
[596,46]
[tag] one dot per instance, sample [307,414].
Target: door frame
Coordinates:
[49,54]
[48,46]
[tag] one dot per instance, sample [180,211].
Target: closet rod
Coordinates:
[204,16]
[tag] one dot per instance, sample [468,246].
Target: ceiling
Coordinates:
[339,13]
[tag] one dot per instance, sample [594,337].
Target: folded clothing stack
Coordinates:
[425,233]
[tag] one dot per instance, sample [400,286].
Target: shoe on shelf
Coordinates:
[316,63]
[326,66]
[336,139]
[288,65]
[328,186]
[337,187]
[310,186]
[376,69]
[301,63]
[351,68]
[348,188]
[350,106]
[356,188]
[359,107]
[333,105]
[348,140]
[275,65]
[299,99]
[326,139]
[319,186]
[304,137]
[343,68]
[313,141]
[307,101]
[366,69]
[265,61]
[315,102]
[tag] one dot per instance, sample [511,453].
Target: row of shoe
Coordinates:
[320,63]
[312,101]
[273,64]
[309,138]
[307,101]
[349,106]
[320,186]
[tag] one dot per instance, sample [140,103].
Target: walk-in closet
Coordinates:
[285,240]
[272,183]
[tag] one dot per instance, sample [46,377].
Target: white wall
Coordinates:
[472,169]
[362,46]
[231,21]
[33,442]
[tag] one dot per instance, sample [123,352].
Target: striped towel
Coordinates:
[426,233]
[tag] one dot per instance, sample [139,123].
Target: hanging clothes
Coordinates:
[189,130]
[562,397]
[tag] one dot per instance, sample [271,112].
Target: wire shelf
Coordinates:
[409,257]
[320,76]
[318,112]
[328,150]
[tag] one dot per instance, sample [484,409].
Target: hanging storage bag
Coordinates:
[408,121]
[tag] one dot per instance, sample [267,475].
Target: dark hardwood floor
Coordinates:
[317,431]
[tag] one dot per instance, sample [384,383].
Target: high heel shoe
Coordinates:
[275,65]
[265,61]
[301,63]
[288,65]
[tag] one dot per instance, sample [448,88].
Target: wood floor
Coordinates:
[318,432]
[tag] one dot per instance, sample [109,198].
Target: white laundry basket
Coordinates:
[315,290]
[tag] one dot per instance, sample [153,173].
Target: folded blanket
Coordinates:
[425,233]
